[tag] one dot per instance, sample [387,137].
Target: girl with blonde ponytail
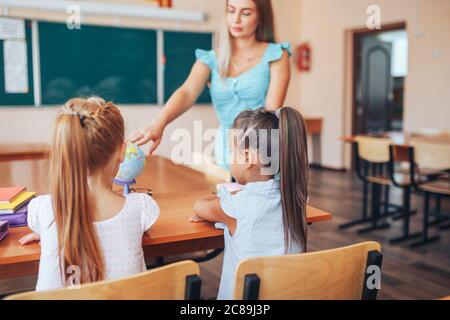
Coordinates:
[87,232]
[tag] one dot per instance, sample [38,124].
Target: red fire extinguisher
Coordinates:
[304,57]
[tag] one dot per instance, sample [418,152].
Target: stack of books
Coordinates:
[14,205]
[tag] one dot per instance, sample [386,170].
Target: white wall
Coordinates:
[34,124]
[325,90]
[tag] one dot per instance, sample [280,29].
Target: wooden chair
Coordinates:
[372,159]
[176,282]
[427,155]
[404,180]
[337,274]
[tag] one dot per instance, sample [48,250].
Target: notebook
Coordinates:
[22,199]
[8,195]
[18,219]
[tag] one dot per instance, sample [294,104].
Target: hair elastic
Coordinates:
[277,112]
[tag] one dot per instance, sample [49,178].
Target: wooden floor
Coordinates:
[421,273]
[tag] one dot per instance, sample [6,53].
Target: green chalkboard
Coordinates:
[179,51]
[118,64]
[18,99]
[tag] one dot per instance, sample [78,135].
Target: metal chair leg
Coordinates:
[386,200]
[425,239]
[407,216]
[364,213]
[375,210]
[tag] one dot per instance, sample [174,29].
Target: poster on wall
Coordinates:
[12,29]
[16,66]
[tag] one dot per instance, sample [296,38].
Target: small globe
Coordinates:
[132,166]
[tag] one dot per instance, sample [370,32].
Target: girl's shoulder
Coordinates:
[40,213]
[139,199]
[252,198]
[144,208]
[42,203]
[142,203]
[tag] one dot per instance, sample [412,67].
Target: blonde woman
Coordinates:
[247,71]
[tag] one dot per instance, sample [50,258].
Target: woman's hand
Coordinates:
[154,133]
[29,238]
[180,101]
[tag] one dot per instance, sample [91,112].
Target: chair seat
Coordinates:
[422,172]
[441,186]
[385,180]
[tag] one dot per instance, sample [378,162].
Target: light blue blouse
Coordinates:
[259,230]
[231,95]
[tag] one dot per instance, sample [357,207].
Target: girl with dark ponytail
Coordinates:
[268,216]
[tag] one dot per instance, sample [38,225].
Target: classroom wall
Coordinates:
[34,124]
[325,90]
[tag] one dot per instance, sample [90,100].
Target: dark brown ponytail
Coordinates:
[293,176]
[292,158]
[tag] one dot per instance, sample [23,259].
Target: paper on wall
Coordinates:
[12,29]
[16,66]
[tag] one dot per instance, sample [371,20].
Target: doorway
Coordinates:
[380,67]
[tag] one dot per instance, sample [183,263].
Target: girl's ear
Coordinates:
[123,149]
[249,159]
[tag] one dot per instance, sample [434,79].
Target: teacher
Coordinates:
[248,70]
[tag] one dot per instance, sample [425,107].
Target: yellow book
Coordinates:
[13,206]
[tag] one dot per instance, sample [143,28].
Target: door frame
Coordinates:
[351,76]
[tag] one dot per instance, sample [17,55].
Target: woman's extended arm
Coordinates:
[280,74]
[180,101]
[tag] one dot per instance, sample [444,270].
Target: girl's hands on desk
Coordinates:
[30,238]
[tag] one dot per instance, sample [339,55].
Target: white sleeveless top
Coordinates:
[120,238]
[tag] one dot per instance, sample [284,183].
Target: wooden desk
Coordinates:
[314,125]
[402,141]
[23,151]
[314,129]
[175,188]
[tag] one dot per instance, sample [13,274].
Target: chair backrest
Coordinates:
[431,155]
[372,149]
[177,281]
[332,274]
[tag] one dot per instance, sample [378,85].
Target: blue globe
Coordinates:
[132,166]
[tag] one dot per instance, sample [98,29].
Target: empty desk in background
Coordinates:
[402,141]
[20,151]
[314,129]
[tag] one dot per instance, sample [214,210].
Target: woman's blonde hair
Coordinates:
[264,33]
[88,132]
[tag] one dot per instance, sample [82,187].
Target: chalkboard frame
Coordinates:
[159,60]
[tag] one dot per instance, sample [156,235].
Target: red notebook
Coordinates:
[8,195]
